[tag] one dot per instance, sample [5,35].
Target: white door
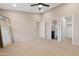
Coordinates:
[38,29]
[42,29]
[48,29]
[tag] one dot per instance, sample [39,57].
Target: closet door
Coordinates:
[48,29]
[42,29]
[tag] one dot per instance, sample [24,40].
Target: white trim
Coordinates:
[75,43]
[72,27]
[59,30]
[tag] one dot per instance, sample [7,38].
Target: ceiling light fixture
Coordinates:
[14,5]
[40,6]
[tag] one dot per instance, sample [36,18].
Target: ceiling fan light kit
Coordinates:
[40,5]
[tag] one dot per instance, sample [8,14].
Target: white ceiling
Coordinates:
[25,7]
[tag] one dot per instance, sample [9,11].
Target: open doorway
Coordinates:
[54,29]
[66,28]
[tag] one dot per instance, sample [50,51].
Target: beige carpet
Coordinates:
[41,48]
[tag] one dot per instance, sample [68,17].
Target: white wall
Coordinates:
[23,24]
[66,10]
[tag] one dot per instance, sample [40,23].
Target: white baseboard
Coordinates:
[77,44]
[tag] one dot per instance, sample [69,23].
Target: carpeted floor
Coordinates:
[41,48]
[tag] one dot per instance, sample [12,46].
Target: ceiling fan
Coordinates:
[40,5]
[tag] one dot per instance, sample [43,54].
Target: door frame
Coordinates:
[60,39]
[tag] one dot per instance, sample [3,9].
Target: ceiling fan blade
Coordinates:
[34,4]
[45,5]
[40,4]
